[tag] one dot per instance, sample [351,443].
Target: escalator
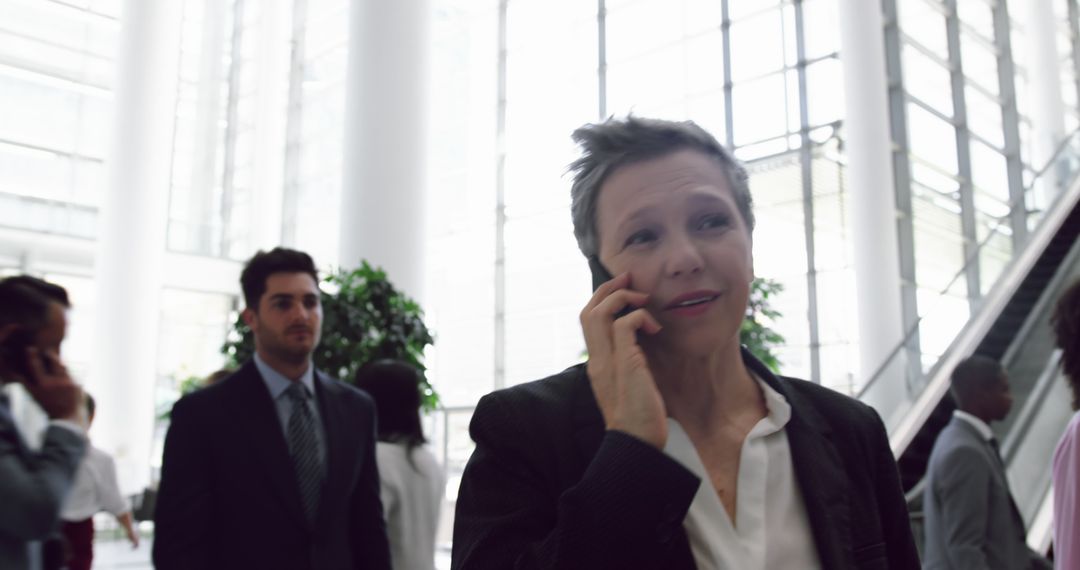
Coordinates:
[1011,325]
[1019,338]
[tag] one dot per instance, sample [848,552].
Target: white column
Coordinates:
[204,176]
[382,213]
[870,175]
[131,236]
[271,102]
[1046,108]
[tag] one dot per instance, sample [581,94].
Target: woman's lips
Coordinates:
[693,303]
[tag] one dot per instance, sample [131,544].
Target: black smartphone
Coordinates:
[13,353]
[601,275]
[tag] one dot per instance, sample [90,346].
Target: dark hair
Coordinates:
[51,291]
[395,387]
[266,263]
[91,405]
[22,305]
[614,143]
[1066,324]
[973,376]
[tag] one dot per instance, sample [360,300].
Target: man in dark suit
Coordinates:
[273,467]
[971,519]
[34,483]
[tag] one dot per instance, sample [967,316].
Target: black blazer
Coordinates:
[548,487]
[229,496]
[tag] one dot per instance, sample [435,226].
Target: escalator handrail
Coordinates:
[1033,404]
[1017,202]
[979,324]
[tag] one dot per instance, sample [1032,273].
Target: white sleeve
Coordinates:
[109,489]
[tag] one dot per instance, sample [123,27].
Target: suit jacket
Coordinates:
[548,487]
[33,486]
[229,497]
[970,518]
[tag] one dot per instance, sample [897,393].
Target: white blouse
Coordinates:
[773,530]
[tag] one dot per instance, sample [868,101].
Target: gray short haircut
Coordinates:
[608,145]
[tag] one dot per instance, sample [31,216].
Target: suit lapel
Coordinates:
[819,472]
[263,431]
[997,467]
[336,451]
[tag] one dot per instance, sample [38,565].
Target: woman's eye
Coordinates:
[643,236]
[713,221]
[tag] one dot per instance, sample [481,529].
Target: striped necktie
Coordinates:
[303,446]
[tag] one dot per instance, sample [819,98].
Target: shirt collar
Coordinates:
[979,425]
[779,410]
[277,383]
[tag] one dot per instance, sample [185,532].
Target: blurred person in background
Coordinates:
[972,522]
[1066,324]
[35,483]
[673,447]
[411,481]
[96,489]
[274,466]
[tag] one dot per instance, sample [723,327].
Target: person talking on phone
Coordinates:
[673,447]
[34,483]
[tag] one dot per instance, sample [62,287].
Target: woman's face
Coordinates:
[672,222]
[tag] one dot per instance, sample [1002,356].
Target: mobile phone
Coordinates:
[601,275]
[13,353]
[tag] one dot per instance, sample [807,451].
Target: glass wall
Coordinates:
[56,75]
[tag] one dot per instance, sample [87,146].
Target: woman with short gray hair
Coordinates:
[673,447]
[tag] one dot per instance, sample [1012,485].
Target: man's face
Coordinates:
[46,340]
[51,336]
[288,322]
[998,399]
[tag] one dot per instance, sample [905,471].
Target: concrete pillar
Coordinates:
[868,145]
[131,240]
[1045,105]
[385,173]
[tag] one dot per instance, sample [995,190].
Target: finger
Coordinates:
[38,376]
[625,330]
[45,367]
[596,324]
[620,281]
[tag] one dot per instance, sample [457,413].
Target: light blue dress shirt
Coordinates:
[277,383]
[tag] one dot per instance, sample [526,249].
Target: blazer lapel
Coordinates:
[337,452]
[263,429]
[817,464]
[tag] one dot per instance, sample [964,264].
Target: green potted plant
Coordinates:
[364,319]
[755,333]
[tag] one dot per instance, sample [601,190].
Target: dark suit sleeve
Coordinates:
[964,486]
[630,500]
[33,485]
[895,519]
[371,548]
[183,516]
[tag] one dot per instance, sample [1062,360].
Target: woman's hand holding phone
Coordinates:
[618,370]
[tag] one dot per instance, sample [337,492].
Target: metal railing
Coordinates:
[906,386]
